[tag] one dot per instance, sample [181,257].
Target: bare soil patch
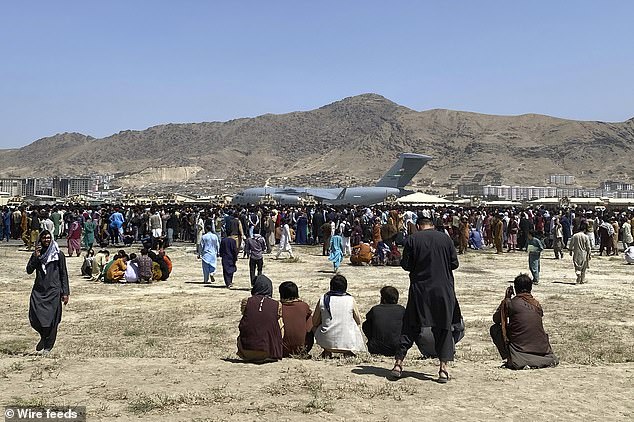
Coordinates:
[166,351]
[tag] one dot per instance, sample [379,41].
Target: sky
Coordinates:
[102,67]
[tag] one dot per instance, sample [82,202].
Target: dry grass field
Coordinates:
[166,351]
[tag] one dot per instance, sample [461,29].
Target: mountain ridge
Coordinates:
[358,136]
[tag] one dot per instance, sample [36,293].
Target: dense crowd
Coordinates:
[379,226]
[430,237]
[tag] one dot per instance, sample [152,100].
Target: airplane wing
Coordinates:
[325,193]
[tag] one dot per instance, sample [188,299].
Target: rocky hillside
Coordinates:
[358,136]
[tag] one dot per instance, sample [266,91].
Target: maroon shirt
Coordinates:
[259,326]
[297,322]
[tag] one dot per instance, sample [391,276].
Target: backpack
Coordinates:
[347,230]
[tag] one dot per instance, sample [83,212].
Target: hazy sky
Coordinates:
[98,67]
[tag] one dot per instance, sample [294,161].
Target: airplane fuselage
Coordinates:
[332,196]
[391,184]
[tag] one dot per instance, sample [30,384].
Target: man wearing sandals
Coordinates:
[430,257]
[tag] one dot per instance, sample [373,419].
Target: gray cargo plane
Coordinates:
[392,184]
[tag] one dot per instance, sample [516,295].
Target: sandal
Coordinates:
[396,372]
[445,379]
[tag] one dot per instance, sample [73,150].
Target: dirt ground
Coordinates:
[166,351]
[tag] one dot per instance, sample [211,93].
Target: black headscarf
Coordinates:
[262,286]
[329,294]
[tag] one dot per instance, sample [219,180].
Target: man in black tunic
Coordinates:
[430,257]
[49,291]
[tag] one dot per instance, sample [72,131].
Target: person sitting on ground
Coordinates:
[381,253]
[106,267]
[261,327]
[382,325]
[168,264]
[144,263]
[394,256]
[99,262]
[425,340]
[361,254]
[86,266]
[157,273]
[116,271]
[518,332]
[475,239]
[298,335]
[128,237]
[160,269]
[146,241]
[336,321]
[132,270]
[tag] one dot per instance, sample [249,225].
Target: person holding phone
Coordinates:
[518,332]
[49,292]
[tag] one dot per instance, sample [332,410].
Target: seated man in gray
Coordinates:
[518,332]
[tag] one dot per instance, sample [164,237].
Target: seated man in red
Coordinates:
[298,323]
[518,332]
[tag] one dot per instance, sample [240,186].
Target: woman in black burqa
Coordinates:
[49,292]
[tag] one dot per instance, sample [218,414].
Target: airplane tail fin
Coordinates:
[342,194]
[401,173]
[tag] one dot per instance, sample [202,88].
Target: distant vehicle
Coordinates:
[391,185]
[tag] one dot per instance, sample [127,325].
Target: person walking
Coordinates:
[229,254]
[255,247]
[581,252]
[49,292]
[430,257]
[285,241]
[208,252]
[336,250]
[534,247]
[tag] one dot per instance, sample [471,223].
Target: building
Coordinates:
[63,187]
[610,185]
[561,179]
[60,187]
[11,186]
[44,191]
[519,193]
[79,186]
[29,186]
[470,189]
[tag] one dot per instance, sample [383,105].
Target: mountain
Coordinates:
[351,140]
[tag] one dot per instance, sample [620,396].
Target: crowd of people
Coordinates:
[282,227]
[271,330]
[430,238]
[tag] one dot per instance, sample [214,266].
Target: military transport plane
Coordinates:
[392,184]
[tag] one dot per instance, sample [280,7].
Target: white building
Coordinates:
[11,186]
[561,179]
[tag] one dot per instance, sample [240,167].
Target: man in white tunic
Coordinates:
[580,249]
[285,241]
[336,321]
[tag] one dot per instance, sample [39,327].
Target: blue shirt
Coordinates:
[116,220]
[208,248]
